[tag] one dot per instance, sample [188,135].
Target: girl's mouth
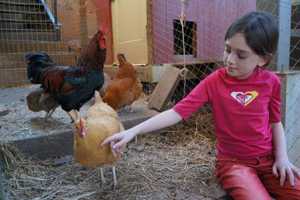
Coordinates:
[231,69]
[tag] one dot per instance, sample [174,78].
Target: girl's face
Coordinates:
[239,59]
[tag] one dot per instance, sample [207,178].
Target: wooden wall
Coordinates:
[211,16]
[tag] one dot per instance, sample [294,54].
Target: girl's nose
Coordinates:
[231,59]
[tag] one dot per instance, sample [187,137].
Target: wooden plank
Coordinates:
[165,88]
[14,46]
[58,57]
[196,62]
[21,35]
[13,77]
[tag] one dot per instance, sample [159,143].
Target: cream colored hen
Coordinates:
[100,122]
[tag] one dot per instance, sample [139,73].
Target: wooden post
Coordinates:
[83,23]
[150,35]
[104,17]
[284,23]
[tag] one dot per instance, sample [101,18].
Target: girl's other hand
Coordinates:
[118,141]
[283,168]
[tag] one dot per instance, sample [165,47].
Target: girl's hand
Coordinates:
[118,141]
[284,168]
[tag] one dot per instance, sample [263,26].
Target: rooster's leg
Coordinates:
[101,175]
[74,115]
[48,114]
[114,176]
[51,112]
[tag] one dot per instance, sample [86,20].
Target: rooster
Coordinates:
[70,86]
[125,87]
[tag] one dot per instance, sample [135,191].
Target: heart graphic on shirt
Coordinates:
[244,98]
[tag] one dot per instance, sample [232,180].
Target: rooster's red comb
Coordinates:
[102,40]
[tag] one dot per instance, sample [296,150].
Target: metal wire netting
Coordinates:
[38,25]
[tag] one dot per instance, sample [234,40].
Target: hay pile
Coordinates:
[175,164]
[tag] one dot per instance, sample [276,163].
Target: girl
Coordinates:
[252,161]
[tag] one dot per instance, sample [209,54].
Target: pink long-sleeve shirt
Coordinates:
[243,110]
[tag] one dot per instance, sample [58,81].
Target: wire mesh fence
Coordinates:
[295,37]
[290,110]
[40,25]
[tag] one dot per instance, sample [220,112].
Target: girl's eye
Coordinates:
[241,56]
[227,50]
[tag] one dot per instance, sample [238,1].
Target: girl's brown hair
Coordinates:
[260,30]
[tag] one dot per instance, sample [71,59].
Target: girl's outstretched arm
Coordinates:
[282,167]
[164,119]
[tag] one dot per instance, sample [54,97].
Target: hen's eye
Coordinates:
[227,50]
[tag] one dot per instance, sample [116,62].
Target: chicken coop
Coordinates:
[157,33]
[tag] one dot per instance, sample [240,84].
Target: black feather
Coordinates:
[36,63]
[85,91]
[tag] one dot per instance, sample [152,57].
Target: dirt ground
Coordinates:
[17,122]
[174,164]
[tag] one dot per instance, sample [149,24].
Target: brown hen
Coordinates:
[125,87]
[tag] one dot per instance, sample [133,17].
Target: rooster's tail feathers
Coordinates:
[36,62]
[41,56]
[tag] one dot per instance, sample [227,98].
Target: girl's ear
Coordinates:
[264,60]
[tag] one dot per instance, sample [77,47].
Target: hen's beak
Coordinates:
[78,122]
[81,128]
